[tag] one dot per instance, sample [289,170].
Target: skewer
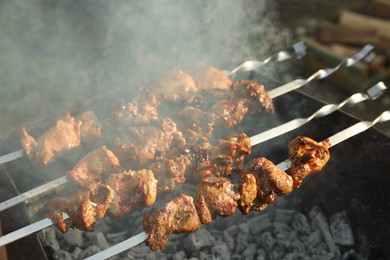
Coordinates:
[372,93]
[281,90]
[333,140]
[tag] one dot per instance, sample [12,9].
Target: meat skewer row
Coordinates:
[333,140]
[273,93]
[105,188]
[141,153]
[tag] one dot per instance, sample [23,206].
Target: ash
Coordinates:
[280,232]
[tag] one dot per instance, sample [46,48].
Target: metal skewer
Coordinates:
[333,140]
[300,49]
[372,93]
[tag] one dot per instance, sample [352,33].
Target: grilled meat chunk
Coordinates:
[254,96]
[215,196]
[174,87]
[140,111]
[195,124]
[134,190]
[230,113]
[210,78]
[138,146]
[177,216]
[95,167]
[270,182]
[67,134]
[84,208]
[307,157]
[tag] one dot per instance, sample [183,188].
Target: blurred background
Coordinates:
[55,55]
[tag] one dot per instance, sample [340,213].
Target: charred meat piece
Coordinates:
[170,171]
[84,208]
[210,78]
[230,113]
[195,124]
[134,190]
[67,134]
[138,146]
[174,87]
[270,182]
[177,216]
[254,95]
[307,157]
[216,196]
[95,167]
[141,110]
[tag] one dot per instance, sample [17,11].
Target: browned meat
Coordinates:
[230,113]
[140,111]
[95,167]
[254,96]
[170,171]
[133,191]
[307,157]
[195,124]
[177,216]
[67,134]
[138,145]
[211,78]
[177,86]
[270,182]
[215,196]
[84,208]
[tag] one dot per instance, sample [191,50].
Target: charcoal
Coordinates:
[76,252]
[205,256]
[261,254]
[301,224]
[315,238]
[91,250]
[49,239]
[229,240]
[232,230]
[260,224]
[100,241]
[220,251]
[116,237]
[275,254]
[198,240]
[320,222]
[341,230]
[74,237]
[250,252]
[352,255]
[284,215]
[314,211]
[179,255]
[62,255]
[266,240]
[243,227]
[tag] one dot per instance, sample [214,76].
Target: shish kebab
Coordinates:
[249,65]
[298,51]
[373,93]
[333,140]
[285,165]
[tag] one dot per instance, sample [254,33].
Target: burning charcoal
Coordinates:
[49,239]
[91,250]
[220,251]
[301,224]
[266,240]
[250,251]
[340,227]
[62,255]
[284,215]
[228,240]
[319,222]
[198,240]
[74,237]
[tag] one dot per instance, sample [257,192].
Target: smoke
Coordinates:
[54,54]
